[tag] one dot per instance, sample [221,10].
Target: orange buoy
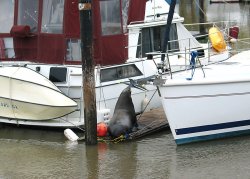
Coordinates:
[102,129]
[217,39]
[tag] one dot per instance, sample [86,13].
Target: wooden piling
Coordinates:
[202,17]
[88,67]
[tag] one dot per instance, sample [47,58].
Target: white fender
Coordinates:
[70,135]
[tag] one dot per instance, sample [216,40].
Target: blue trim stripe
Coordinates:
[211,127]
[212,136]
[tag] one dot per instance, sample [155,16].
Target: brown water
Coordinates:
[32,153]
[41,154]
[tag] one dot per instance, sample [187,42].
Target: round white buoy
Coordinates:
[70,135]
[233,40]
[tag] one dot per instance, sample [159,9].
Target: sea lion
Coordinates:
[124,118]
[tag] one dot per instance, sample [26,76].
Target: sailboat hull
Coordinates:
[210,107]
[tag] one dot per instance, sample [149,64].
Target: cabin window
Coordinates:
[110,17]
[120,72]
[152,39]
[57,74]
[52,17]
[6,15]
[28,14]
[73,50]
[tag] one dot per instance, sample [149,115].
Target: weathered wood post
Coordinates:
[202,17]
[88,67]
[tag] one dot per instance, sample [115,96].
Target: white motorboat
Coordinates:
[52,48]
[214,103]
[27,95]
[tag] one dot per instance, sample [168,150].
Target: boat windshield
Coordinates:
[6,15]
[28,14]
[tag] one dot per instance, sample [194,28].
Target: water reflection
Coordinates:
[117,164]
[238,12]
[25,133]
[220,158]
[91,156]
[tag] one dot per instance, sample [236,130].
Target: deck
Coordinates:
[150,122]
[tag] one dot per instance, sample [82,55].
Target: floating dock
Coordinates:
[150,122]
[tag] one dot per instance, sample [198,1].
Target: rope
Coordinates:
[115,140]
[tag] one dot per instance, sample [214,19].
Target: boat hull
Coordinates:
[208,108]
[24,99]
[210,112]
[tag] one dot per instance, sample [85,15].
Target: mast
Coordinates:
[168,26]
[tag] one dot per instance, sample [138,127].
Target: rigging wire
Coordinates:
[146,105]
[200,7]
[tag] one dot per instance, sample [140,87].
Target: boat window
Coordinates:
[125,6]
[121,72]
[110,17]
[73,50]
[145,41]
[28,14]
[173,44]
[52,18]
[152,39]
[57,74]
[6,15]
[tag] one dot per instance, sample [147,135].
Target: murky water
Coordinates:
[34,153]
[46,154]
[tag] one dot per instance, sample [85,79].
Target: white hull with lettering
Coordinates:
[27,95]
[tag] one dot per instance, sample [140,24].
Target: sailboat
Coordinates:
[45,37]
[208,102]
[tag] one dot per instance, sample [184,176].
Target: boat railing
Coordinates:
[239,45]
[202,28]
[234,45]
[137,45]
[165,67]
[186,54]
[187,47]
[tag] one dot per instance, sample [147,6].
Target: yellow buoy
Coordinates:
[217,39]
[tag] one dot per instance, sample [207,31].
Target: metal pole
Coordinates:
[88,67]
[167,30]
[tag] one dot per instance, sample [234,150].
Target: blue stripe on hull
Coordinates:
[212,127]
[212,136]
